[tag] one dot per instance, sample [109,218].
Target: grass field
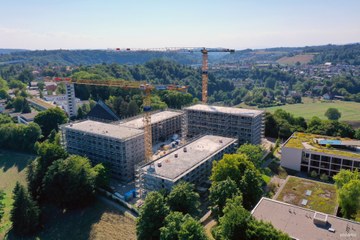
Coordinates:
[301,58]
[350,111]
[323,197]
[12,169]
[98,221]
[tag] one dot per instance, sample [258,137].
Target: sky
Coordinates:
[239,24]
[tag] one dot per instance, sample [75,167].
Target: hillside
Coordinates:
[349,54]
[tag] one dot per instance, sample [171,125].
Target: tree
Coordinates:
[25,214]
[357,134]
[133,108]
[231,166]
[253,152]
[333,114]
[26,76]
[264,230]
[183,198]
[4,94]
[349,198]
[220,192]
[50,119]
[124,109]
[26,107]
[48,153]
[348,189]
[152,216]
[2,204]
[3,84]
[191,229]
[18,104]
[70,183]
[250,187]
[102,176]
[235,220]
[177,226]
[345,176]
[172,225]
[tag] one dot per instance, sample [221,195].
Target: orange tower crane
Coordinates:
[204,68]
[147,88]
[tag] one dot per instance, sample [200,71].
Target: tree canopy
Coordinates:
[238,168]
[219,193]
[50,119]
[253,152]
[178,226]
[183,198]
[237,221]
[152,216]
[25,214]
[348,189]
[333,114]
[70,183]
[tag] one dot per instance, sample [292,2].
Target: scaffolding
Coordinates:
[139,180]
[184,128]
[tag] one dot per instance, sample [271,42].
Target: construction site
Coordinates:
[157,149]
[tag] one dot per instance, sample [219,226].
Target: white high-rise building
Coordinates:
[71,101]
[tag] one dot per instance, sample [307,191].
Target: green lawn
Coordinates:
[12,169]
[323,197]
[350,111]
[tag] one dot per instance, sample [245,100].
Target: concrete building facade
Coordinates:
[118,147]
[163,124]
[191,163]
[322,154]
[246,125]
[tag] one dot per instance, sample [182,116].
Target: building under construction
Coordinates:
[163,124]
[247,125]
[191,163]
[118,147]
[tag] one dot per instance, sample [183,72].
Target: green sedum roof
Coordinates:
[298,138]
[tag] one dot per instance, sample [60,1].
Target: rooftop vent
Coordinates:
[185,149]
[176,155]
[331,230]
[220,141]
[159,164]
[320,219]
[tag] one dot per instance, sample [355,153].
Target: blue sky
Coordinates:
[101,24]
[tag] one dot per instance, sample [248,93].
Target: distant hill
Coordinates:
[9,50]
[348,54]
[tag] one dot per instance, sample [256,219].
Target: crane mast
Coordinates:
[204,75]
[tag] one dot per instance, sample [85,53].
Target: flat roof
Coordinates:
[29,116]
[298,222]
[197,151]
[229,110]
[105,129]
[155,118]
[311,142]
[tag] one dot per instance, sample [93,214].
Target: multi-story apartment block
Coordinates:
[322,154]
[246,125]
[118,147]
[192,163]
[163,124]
